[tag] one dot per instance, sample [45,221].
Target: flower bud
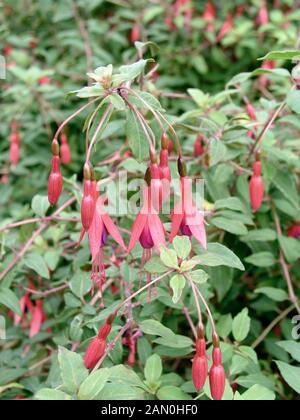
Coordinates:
[217,376]
[256,187]
[198,147]
[88,205]
[65,150]
[135,33]
[55,182]
[14,153]
[94,352]
[200,365]
[294,231]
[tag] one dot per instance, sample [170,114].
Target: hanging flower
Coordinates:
[147,228]
[101,227]
[226,28]
[186,218]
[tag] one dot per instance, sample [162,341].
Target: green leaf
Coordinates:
[40,205]
[261,259]
[199,276]
[36,262]
[290,374]
[10,300]
[285,182]
[172,393]
[293,101]
[117,101]
[218,151]
[231,203]
[177,284]
[291,248]
[282,55]
[153,327]
[81,284]
[200,98]
[292,347]
[218,255]
[136,136]
[47,394]
[235,227]
[182,246]
[153,369]
[93,385]
[241,325]
[278,295]
[72,370]
[155,266]
[169,258]
[258,393]
[129,72]
[260,235]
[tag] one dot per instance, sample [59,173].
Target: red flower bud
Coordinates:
[294,231]
[14,153]
[104,331]
[15,137]
[263,15]
[217,376]
[170,146]
[200,365]
[88,205]
[7,50]
[198,147]
[55,181]
[94,352]
[135,33]
[256,187]
[65,150]
[44,81]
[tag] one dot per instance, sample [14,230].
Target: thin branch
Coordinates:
[85,37]
[35,235]
[273,324]
[284,266]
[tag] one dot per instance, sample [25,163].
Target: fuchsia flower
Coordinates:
[263,14]
[55,181]
[96,348]
[256,187]
[226,28]
[198,147]
[200,365]
[101,226]
[217,375]
[186,217]
[147,228]
[65,150]
[38,315]
[209,15]
[294,231]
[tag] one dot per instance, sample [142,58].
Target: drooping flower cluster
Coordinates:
[200,367]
